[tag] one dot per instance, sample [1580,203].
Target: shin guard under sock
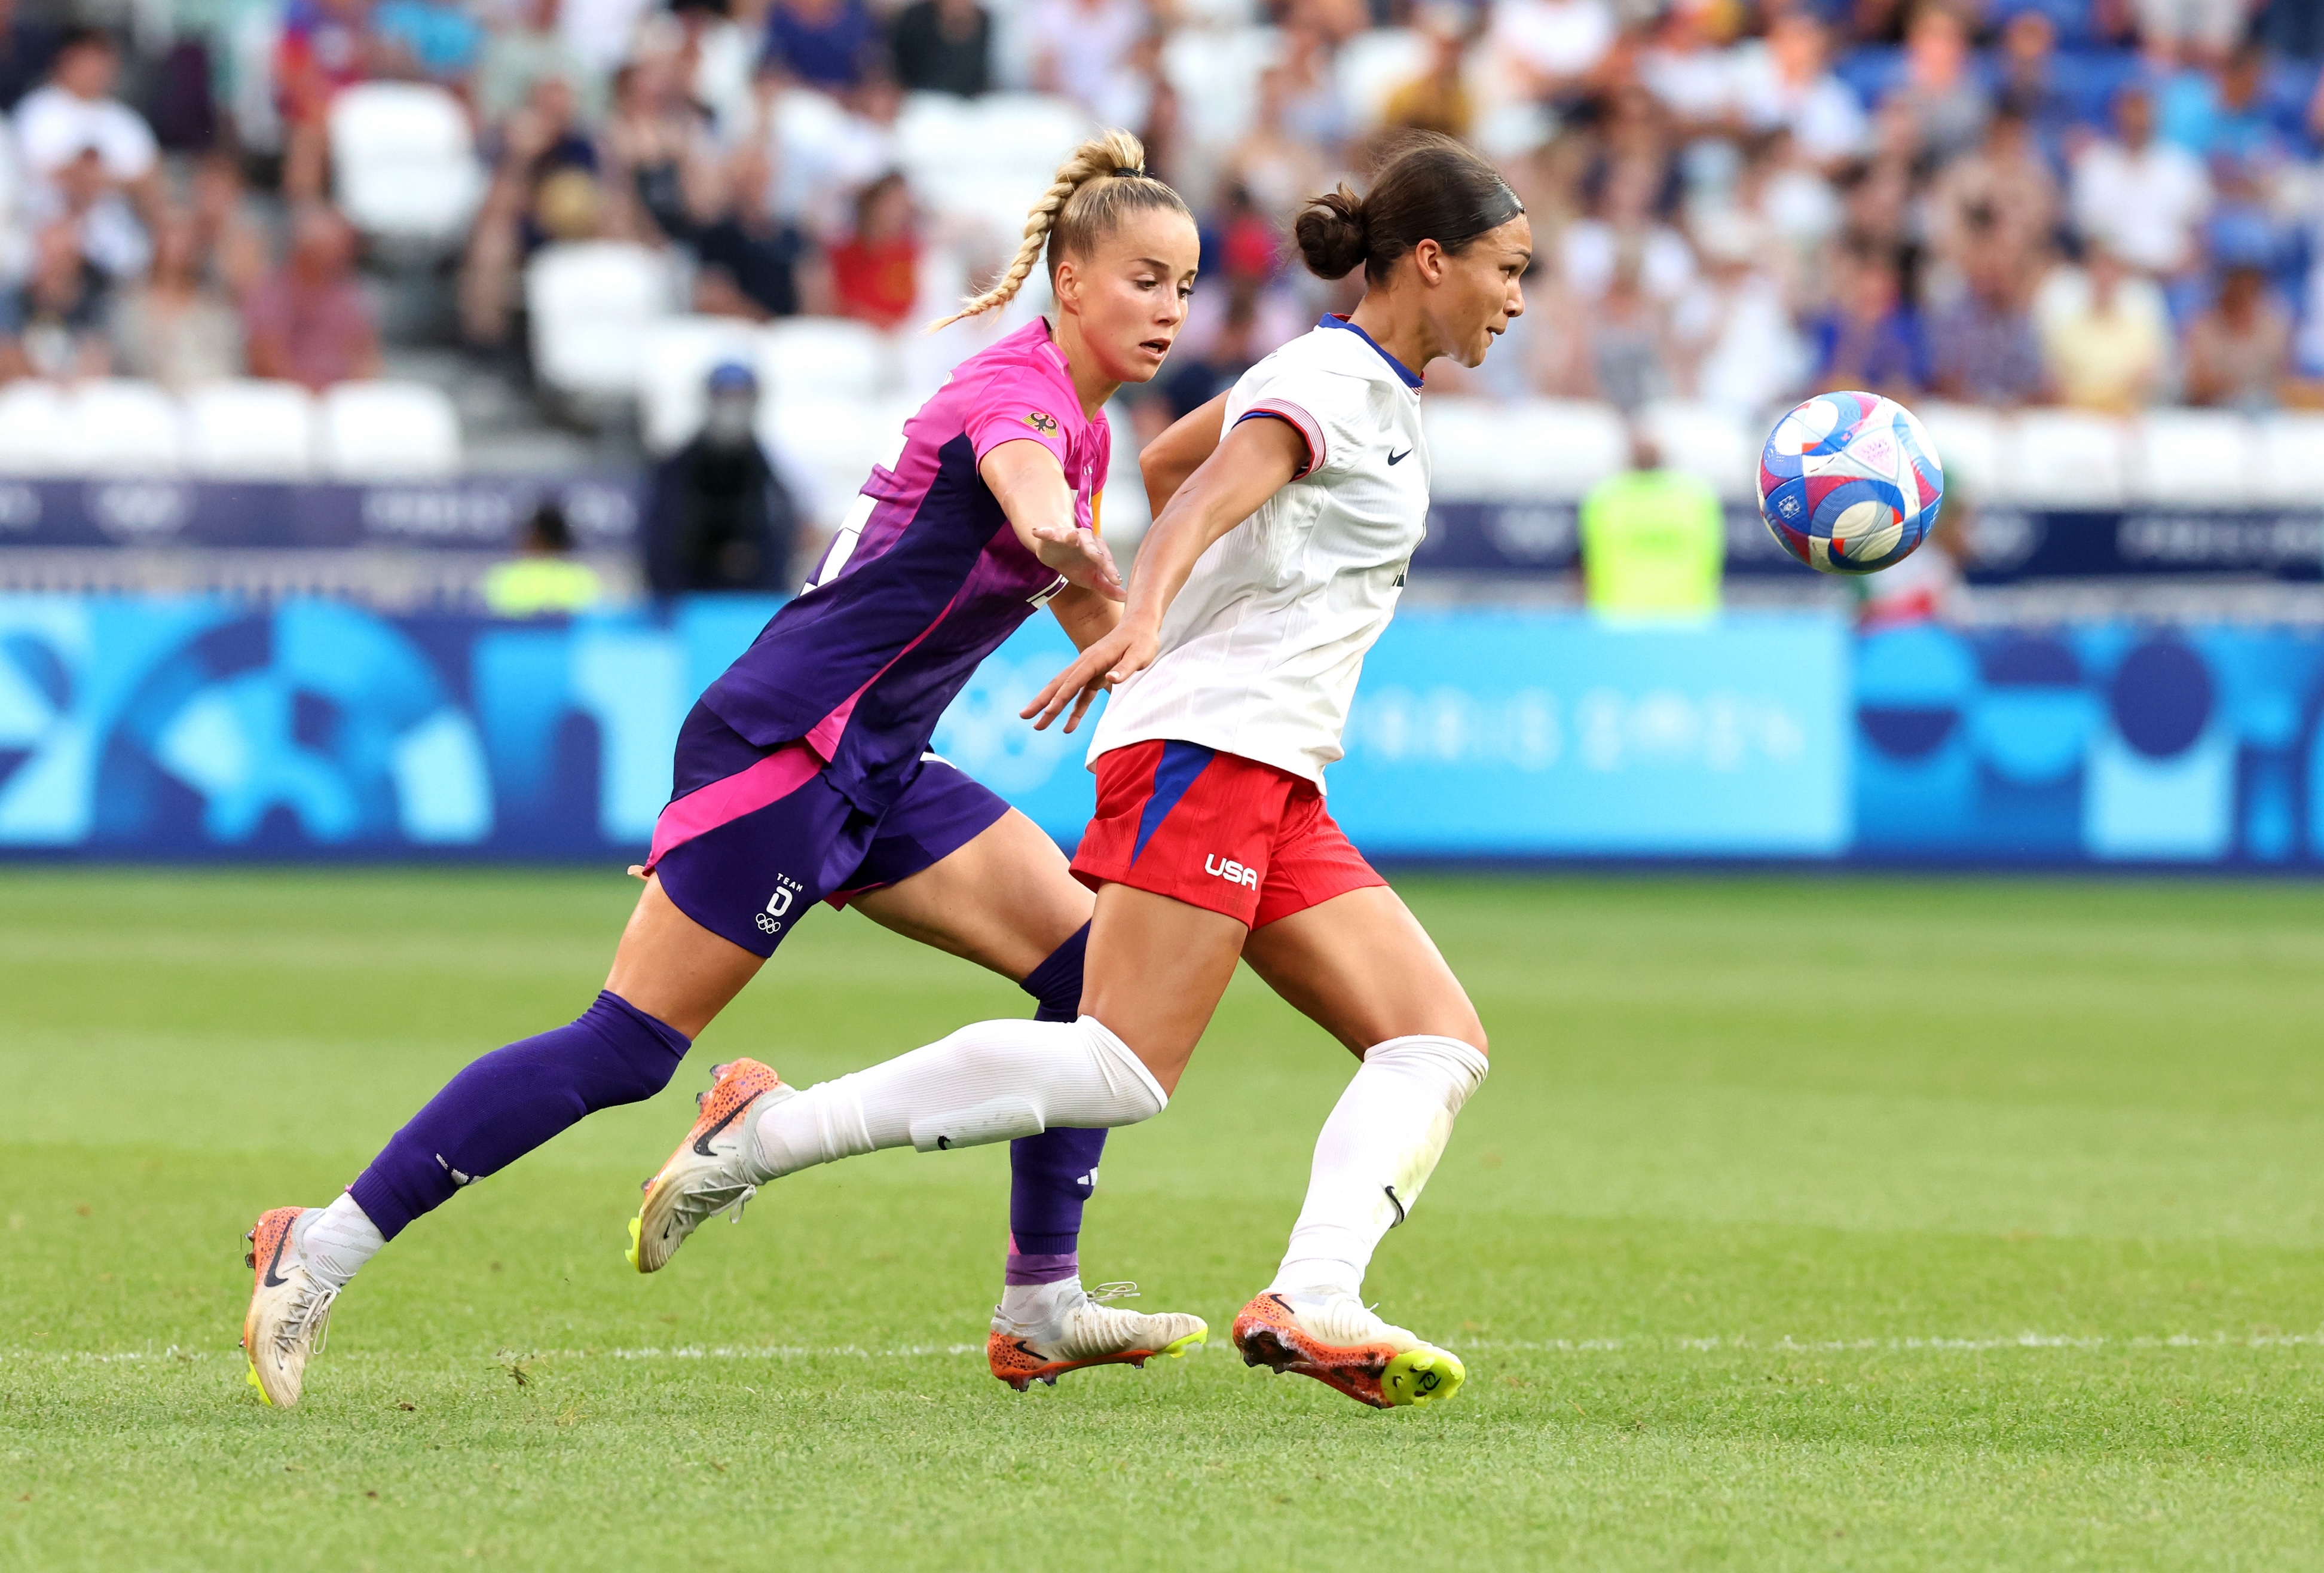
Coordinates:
[513,1099]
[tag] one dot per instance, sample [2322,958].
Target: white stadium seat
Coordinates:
[679,352]
[1372,66]
[36,432]
[592,303]
[806,357]
[1215,74]
[404,163]
[2062,458]
[2193,458]
[2290,465]
[250,429]
[124,428]
[1532,450]
[836,440]
[1707,440]
[386,430]
[1969,445]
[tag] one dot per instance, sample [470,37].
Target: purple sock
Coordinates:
[513,1099]
[1051,1176]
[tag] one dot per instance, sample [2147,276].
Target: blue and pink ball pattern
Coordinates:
[1850,483]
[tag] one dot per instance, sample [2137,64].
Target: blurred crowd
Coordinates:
[2103,204]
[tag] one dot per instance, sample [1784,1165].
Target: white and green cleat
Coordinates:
[1083,1330]
[290,1308]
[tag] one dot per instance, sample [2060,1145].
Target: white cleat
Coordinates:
[290,1308]
[713,1169]
[1083,1330]
[1332,1337]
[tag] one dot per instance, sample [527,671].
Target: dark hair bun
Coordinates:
[1332,234]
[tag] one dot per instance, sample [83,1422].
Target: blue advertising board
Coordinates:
[207,728]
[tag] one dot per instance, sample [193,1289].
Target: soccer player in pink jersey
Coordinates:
[1295,503]
[802,775]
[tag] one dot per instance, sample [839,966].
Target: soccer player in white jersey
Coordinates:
[1294,506]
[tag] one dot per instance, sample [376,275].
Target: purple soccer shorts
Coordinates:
[754,837]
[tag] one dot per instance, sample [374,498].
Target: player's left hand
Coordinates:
[1130,648]
[1080,557]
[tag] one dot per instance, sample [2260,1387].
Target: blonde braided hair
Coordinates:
[1099,185]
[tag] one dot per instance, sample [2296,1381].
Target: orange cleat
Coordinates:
[713,1169]
[1332,1337]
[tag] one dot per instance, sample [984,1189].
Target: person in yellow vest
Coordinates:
[1654,541]
[542,580]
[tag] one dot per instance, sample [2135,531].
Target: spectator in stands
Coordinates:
[75,120]
[1630,354]
[2223,112]
[310,322]
[2006,178]
[229,238]
[431,40]
[875,272]
[1079,45]
[718,517]
[1940,89]
[326,45]
[1550,48]
[1868,339]
[943,46]
[1626,221]
[526,48]
[1982,347]
[661,164]
[829,44]
[2187,30]
[2140,197]
[54,322]
[1685,70]
[547,186]
[2106,337]
[755,263]
[176,327]
[1438,99]
[1784,81]
[28,47]
[1733,340]
[542,580]
[2026,80]
[2239,348]
[1279,170]
[82,194]
[1187,386]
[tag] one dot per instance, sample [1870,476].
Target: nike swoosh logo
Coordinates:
[1399,458]
[702,1142]
[273,1282]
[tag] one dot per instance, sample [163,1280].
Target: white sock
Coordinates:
[1031,1304]
[337,1240]
[991,1082]
[1374,1156]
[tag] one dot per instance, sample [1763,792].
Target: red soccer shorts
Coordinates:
[1215,831]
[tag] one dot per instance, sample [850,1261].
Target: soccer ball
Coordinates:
[1850,483]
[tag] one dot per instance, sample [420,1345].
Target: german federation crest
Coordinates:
[1850,483]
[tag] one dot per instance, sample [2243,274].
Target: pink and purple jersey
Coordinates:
[923,580]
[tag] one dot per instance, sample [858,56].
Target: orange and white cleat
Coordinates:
[715,1169]
[1083,1330]
[290,1308]
[1334,1339]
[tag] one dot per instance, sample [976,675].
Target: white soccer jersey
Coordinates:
[1261,650]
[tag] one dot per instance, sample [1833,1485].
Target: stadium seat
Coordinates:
[2193,458]
[124,428]
[1530,450]
[386,430]
[816,357]
[2062,458]
[837,440]
[1215,74]
[404,161]
[1968,446]
[36,432]
[2291,466]
[1373,64]
[592,305]
[252,430]
[679,352]
[1707,440]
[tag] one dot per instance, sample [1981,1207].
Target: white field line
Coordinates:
[1741,1344]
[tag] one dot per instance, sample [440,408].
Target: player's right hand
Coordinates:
[1128,650]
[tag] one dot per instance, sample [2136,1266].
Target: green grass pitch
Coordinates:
[1858,1223]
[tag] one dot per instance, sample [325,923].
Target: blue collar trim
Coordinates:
[1334,319]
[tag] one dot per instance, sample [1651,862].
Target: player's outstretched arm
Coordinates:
[1087,615]
[1177,453]
[1029,485]
[1256,459]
